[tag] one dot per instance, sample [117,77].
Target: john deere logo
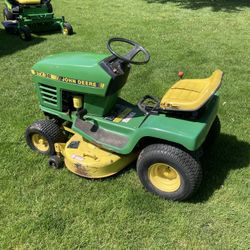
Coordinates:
[68,80]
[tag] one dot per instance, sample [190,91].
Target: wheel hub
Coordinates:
[40,142]
[164,177]
[65,31]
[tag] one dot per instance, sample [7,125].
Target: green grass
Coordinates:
[41,208]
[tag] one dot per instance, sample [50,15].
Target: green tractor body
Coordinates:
[24,18]
[58,78]
[82,90]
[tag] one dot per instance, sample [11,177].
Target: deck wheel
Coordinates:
[55,162]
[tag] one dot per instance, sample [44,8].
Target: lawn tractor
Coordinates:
[95,133]
[24,17]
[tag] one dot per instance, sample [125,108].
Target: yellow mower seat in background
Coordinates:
[29,1]
[191,94]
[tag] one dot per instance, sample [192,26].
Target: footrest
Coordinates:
[100,135]
[191,94]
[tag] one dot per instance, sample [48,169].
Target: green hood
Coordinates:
[76,65]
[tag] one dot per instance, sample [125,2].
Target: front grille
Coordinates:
[48,94]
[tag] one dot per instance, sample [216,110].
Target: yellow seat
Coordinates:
[29,1]
[191,94]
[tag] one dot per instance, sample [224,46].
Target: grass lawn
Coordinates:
[41,208]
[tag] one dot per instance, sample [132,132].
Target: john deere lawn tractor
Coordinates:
[95,133]
[24,17]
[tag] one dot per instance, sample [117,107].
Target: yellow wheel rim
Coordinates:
[164,177]
[40,142]
[22,35]
[65,31]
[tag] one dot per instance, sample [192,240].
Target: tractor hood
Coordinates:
[84,73]
[73,67]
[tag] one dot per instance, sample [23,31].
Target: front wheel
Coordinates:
[67,29]
[42,135]
[25,33]
[169,172]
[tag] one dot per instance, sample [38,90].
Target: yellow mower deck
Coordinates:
[87,160]
[191,94]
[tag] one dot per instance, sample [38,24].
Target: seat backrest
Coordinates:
[28,1]
[191,94]
[216,77]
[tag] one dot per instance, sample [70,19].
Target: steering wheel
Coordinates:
[132,53]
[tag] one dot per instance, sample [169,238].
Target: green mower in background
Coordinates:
[95,133]
[24,17]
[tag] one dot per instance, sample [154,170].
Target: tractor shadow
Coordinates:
[228,154]
[215,5]
[9,43]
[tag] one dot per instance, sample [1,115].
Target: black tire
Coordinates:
[25,33]
[213,134]
[7,15]
[67,29]
[56,162]
[185,171]
[48,132]
[49,7]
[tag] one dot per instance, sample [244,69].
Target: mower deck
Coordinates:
[87,160]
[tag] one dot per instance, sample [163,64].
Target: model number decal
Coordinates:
[122,115]
[68,80]
[129,117]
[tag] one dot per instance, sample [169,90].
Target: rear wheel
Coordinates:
[42,135]
[7,15]
[49,7]
[67,29]
[169,172]
[25,33]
